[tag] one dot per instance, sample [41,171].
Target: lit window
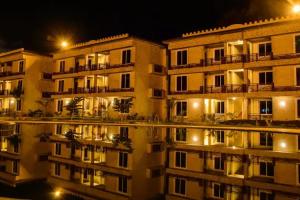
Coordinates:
[265,49]
[180,159]
[180,135]
[266,169]
[180,185]
[126,57]
[182,57]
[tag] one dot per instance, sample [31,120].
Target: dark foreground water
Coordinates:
[35,190]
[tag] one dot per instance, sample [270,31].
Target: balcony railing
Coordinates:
[93,67]
[241,58]
[237,88]
[91,90]
[9,73]
[253,116]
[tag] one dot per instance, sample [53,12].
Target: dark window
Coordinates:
[297,41]
[266,196]
[180,158]
[60,105]
[61,84]
[218,190]
[124,132]
[126,56]
[265,78]
[181,108]
[124,106]
[265,107]
[20,84]
[125,82]
[123,159]
[219,80]
[266,169]
[18,129]
[21,66]
[218,163]
[57,169]
[156,147]
[182,57]
[89,64]
[298,76]
[62,66]
[122,184]
[219,54]
[299,142]
[58,129]
[220,107]
[181,83]
[220,135]
[57,149]
[298,108]
[15,166]
[88,83]
[265,49]
[19,105]
[16,147]
[180,134]
[266,139]
[180,186]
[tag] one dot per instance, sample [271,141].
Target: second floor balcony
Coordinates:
[92,90]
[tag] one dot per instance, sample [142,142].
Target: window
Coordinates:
[265,196]
[57,169]
[126,57]
[219,54]
[122,184]
[220,107]
[15,167]
[61,84]
[180,186]
[124,108]
[60,105]
[180,159]
[265,49]
[182,57]
[62,66]
[218,163]
[218,190]
[181,108]
[298,108]
[298,76]
[180,135]
[20,84]
[265,78]
[298,173]
[124,132]
[265,107]
[19,105]
[18,129]
[181,83]
[266,139]
[58,129]
[125,81]
[266,169]
[123,159]
[297,43]
[57,149]
[21,66]
[219,80]
[16,147]
[220,135]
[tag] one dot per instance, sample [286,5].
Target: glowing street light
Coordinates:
[64,44]
[57,193]
[296,9]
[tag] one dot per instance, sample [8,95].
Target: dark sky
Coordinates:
[36,26]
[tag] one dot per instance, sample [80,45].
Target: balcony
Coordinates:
[93,90]
[10,73]
[93,67]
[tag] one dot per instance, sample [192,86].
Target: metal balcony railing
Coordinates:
[10,73]
[91,90]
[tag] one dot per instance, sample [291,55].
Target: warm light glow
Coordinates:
[206,101]
[67,102]
[57,194]
[234,147]
[233,98]
[111,136]
[282,104]
[296,9]
[64,44]
[206,141]
[283,144]
[12,101]
[195,139]
[195,105]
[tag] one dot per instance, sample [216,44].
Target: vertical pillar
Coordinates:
[245,108]
[96,60]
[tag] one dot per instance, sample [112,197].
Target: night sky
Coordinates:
[37,26]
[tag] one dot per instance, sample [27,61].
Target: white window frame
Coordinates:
[121,75]
[219,75]
[214,163]
[265,72]
[181,152]
[266,175]
[219,133]
[263,191]
[265,100]
[180,141]
[265,43]
[213,190]
[216,111]
[118,185]
[214,53]
[187,108]
[185,187]
[187,86]
[121,61]
[187,57]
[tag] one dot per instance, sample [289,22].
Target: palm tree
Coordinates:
[74,106]
[122,106]
[72,136]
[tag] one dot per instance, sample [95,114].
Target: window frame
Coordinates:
[181,180]
[21,66]
[181,86]
[122,162]
[219,134]
[186,111]
[58,149]
[220,164]
[180,166]
[124,189]
[265,74]
[220,107]
[125,81]
[267,136]
[61,85]
[180,51]
[296,83]
[57,171]
[266,192]
[266,104]
[219,76]
[220,192]
[297,173]
[265,48]
[221,49]
[295,45]
[267,170]
[60,104]
[62,66]
[124,61]
[180,132]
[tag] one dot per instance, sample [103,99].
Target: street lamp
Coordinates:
[64,44]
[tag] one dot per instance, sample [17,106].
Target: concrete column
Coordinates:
[96,59]
[245,109]
[245,76]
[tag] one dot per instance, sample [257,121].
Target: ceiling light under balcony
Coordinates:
[282,104]
[195,105]
[195,138]
[283,145]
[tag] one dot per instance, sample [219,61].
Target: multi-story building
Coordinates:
[242,73]
[22,80]
[121,78]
